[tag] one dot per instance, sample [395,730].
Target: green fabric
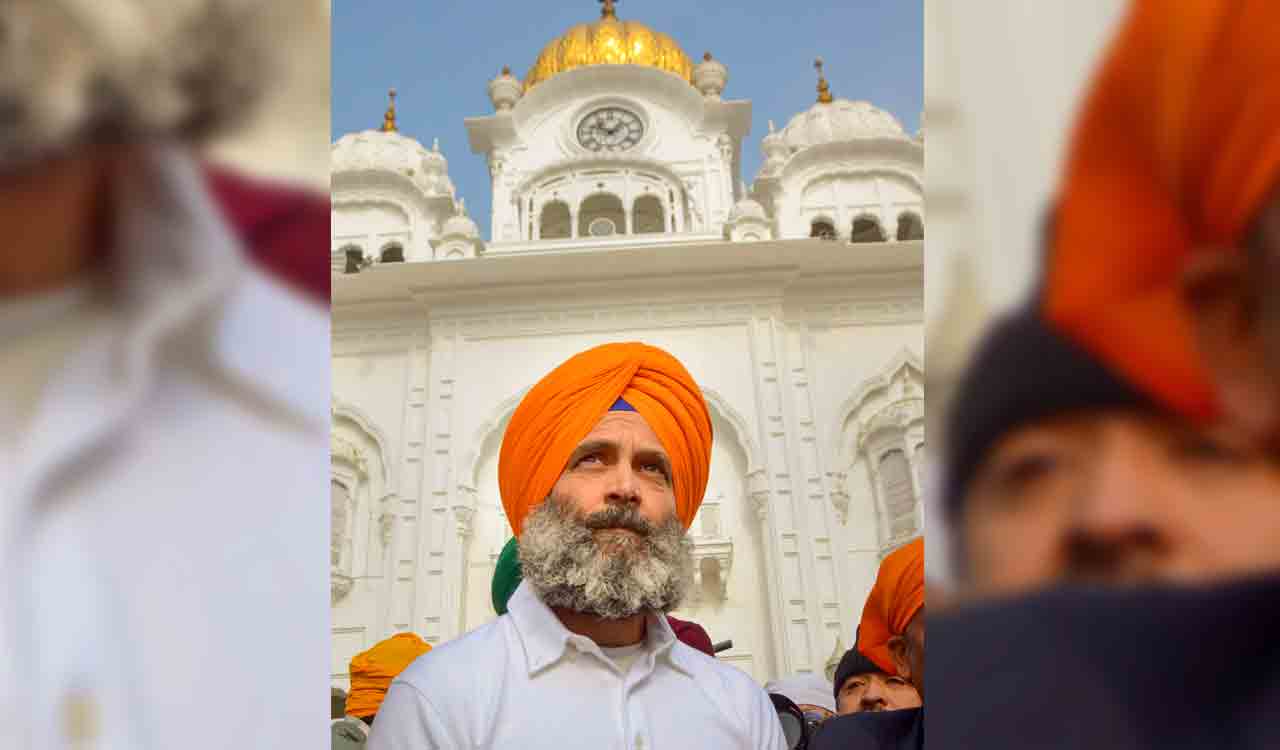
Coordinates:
[506,576]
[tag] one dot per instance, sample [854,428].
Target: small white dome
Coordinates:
[840,121]
[747,208]
[388,151]
[460,225]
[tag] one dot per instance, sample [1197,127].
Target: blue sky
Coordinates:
[440,57]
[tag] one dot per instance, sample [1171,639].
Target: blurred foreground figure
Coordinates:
[163,402]
[602,469]
[890,636]
[1120,432]
[371,674]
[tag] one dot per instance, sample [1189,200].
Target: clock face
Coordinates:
[610,129]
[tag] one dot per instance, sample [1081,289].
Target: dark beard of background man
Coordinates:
[617,578]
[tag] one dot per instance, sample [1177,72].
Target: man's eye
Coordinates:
[898,681]
[590,458]
[1024,470]
[1200,447]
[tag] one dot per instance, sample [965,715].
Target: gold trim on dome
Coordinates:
[610,41]
[389,117]
[824,88]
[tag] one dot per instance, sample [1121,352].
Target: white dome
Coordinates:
[383,151]
[460,225]
[840,121]
[747,208]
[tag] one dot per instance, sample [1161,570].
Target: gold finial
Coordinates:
[389,119]
[607,9]
[824,88]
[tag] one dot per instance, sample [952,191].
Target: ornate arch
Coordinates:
[339,409]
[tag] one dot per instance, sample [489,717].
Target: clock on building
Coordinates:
[610,129]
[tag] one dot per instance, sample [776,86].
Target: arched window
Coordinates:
[339,502]
[353,256]
[866,229]
[648,216]
[555,222]
[899,493]
[601,215]
[910,227]
[822,229]
[392,253]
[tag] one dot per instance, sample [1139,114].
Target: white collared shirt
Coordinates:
[160,519]
[526,681]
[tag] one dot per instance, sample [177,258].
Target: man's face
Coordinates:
[619,463]
[607,541]
[1120,497]
[875,691]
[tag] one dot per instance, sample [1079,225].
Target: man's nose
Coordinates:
[623,486]
[872,697]
[1117,518]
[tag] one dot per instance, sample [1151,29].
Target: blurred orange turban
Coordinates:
[373,670]
[1176,148]
[896,598]
[562,408]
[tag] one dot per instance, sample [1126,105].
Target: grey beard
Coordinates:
[83,72]
[562,560]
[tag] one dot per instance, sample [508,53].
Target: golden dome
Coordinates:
[609,41]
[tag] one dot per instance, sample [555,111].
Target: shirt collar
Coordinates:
[545,638]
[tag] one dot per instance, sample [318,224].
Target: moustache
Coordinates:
[619,517]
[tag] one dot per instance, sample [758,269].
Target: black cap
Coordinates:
[1023,371]
[853,663]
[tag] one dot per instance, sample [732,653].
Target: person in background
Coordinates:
[602,469]
[890,636]
[861,685]
[371,674]
[507,577]
[163,404]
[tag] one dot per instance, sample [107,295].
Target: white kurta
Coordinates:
[525,681]
[163,510]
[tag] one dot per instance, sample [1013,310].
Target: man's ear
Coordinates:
[1228,330]
[898,650]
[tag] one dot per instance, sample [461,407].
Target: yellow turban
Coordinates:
[373,670]
[1177,146]
[562,409]
[896,598]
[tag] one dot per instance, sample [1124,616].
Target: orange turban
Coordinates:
[1177,146]
[372,671]
[896,598]
[563,408]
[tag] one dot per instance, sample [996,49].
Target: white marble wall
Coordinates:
[787,362]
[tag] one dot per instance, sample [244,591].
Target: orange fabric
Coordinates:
[1176,148]
[562,408]
[373,670]
[896,598]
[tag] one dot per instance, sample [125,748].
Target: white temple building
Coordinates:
[619,214]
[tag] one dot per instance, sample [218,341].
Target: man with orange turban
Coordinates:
[371,674]
[602,469]
[891,634]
